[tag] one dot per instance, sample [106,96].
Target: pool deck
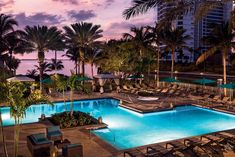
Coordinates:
[92,144]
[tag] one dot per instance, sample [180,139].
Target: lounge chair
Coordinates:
[205,145]
[73,150]
[178,146]
[138,153]
[160,151]
[228,139]
[54,133]
[39,145]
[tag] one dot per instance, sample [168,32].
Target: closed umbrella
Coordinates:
[204,81]
[83,78]
[230,86]
[136,77]
[170,80]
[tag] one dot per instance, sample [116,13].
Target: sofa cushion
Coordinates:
[54,133]
[39,138]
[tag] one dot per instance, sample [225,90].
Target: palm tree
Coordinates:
[71,83]
[7,24]
[140,38]
[61,86]
[44,67]
[156,42]
[174,39]
[42,39]
[179,7]
[81,37]
[19,102]
[32,73]
[56,65]
[73,54]
[3,100]
[220,39]
[92,57]
[12,63]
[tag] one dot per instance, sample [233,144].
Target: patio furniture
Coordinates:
[178,146]
[54,133]
[133,153]
[61,144]
[39,145]
[160,150]
[73,150]
[205,145]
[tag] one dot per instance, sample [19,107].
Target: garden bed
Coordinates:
[65,120]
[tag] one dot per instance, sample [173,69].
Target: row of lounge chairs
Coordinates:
[171,90]
[47,145]
[207,145]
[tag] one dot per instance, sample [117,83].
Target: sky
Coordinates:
[107,13]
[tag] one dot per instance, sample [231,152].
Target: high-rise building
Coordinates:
[197,29]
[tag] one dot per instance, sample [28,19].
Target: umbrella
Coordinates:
[20,78]
[170,80]
[228,86]
[47,81]
[83,78]
[136,77]
[204,81]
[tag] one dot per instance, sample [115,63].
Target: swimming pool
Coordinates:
[128,129]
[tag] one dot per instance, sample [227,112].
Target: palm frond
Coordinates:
[206,54]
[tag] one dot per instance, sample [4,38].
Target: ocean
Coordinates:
[28,64]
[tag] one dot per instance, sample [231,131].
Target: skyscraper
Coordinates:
[197,29]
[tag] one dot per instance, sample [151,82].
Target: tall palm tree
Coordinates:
[56,65]
[92,57]
[182,6]
[73,54]
[173,39]
[10,41]
[220,39]
[42,39]
[156,42]
[140,38]
[7,24]
[82,36]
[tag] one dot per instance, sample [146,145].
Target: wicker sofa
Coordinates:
[73,150]
[39,145]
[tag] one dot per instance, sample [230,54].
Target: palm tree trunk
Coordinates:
[172,62]
[92,70]
[41,75]
[158,66]
[225,69]
[41,57]
[3,136]
[64,99]
[56,62]
[71,102]
[16,136]
[83,68]
[76,67]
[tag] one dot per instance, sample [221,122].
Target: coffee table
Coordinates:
[60,144]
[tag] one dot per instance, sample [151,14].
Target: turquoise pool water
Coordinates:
[127,129]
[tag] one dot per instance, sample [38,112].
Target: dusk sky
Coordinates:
[107,13]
